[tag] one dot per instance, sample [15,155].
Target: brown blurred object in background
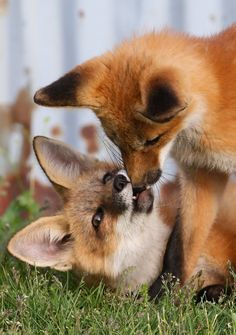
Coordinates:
[15,149]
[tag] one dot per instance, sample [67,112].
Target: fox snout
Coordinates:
[149,178]
[125,198]
[122,191]
[143,168]
[120,182]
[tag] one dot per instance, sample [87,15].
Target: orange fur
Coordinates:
[219,250]
[177,86]
[69,240]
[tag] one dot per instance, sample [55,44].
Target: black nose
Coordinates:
[153,176]
[150,178]
[120,182]
[138,189]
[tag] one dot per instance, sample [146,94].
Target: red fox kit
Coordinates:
[166,93]
[102,232]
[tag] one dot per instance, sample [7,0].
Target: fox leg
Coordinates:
[219,252]
[201,191]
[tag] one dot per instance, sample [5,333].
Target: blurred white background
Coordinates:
[42,39]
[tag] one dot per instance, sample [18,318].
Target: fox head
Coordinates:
[145,93]
[101,231]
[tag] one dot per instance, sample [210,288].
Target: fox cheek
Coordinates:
[60,93]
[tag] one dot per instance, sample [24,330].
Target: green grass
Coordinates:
[36,301]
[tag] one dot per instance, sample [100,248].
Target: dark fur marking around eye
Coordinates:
[153,141]
[162,101]
[107,176]
[61,92]
[98,218]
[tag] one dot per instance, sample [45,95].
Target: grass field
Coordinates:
[36,301]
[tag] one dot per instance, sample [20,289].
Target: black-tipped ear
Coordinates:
[61,164]
[163,102]
[77,88]
[60,93]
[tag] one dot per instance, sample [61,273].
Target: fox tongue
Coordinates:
[143,196]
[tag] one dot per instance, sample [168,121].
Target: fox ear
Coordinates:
[76,88]
[164,101]
[61,164]
[44,243]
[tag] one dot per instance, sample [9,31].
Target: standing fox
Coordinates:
[159,94]
[102,232]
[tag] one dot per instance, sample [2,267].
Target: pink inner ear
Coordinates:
[36,251]
[41,247]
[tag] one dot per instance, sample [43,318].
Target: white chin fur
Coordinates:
[142,240]
[139,256]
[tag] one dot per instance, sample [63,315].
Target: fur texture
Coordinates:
[127,245]
[165,93]
[117,248]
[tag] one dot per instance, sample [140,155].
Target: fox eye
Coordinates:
[107,176]
[153,141]
[98,217]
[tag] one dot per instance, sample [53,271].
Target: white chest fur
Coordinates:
[141,249]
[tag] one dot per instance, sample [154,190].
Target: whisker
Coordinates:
[177,175]
[112,152]
[113,147]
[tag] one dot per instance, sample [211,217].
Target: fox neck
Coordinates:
[208,136]
[203,143]
[139,257]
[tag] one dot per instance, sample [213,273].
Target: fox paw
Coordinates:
[213,293]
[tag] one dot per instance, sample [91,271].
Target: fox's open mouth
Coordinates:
[143,201]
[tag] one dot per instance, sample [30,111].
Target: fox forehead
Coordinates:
[128,68]
[125,91]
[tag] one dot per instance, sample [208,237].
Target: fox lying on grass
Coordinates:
[102,232]
[166,93]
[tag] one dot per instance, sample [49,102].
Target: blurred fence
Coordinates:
[42,39]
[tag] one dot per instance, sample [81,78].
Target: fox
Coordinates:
[105,234]
[165,94]
[102,232]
